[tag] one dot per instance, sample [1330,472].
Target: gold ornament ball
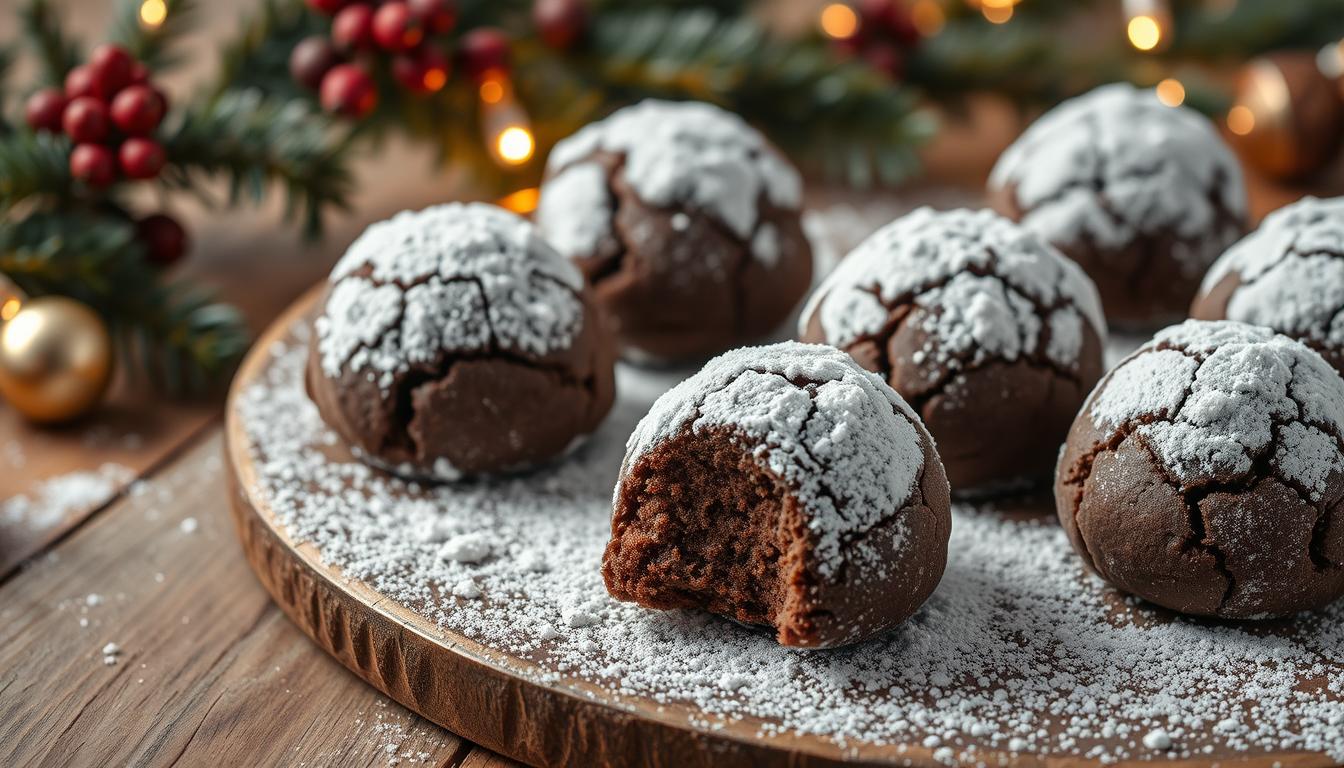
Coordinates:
[1287,117]
[55,359]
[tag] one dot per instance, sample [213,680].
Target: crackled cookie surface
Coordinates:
[990,334]
[782,486]
[1206,474]
[453,341]
[1288,274]
[1142,195]
[685,220]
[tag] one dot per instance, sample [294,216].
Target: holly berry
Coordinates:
[326,7]
[311,59]
[349,90]
[139,73]
[112,65]
[140,158]
[352,29]
[137,110]
[483,50]
[164,240]
[93,164]
[83,81]
[44,109]
[423,71]
[85,120]
[395,28]
[560,22]
[438,16]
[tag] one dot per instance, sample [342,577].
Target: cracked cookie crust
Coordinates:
[454,342]
[1288,275]
[1143,196]
[991,335]
[1206,474]
[782,486]
[685,221]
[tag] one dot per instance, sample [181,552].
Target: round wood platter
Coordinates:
[514,703]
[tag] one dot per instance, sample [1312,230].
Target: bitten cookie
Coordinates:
[782,486]
[1288,275]
[686,222]
[1206,474]
[990,334]
[1143,196]
[454,342]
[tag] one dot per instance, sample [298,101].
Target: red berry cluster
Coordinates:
[110,110]
[402,29]
[885,34]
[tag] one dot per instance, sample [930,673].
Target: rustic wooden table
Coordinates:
[116,531]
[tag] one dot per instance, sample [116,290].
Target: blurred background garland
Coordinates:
[849,90]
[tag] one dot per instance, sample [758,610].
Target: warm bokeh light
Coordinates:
[997,14]
[492,91]
[515,145]
[1240,120]
[10,308]
[998,3]
[839,21]
[1144,32]
[523,201]
[1171,92]
[928,17]
[153,13]
[435,78]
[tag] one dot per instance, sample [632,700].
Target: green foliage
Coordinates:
[56,52]
[33,165]
[259,57]
[7,57]
[153,46]
[1247,27]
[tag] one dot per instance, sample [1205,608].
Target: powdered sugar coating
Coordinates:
[1116,164]
[842,438]
[989,288]
[675,153]
[455,277]
[1210,398]
[1291,272]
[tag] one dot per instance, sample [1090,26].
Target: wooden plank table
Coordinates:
[116,531]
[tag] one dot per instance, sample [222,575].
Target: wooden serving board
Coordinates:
[517,703]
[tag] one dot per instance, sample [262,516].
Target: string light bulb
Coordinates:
[928,17]
[1240,120]
[505,126]
[523,201]
[838,21]
[153,13]
[1148,24]
[1171,92]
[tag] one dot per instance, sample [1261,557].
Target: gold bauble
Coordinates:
[55,359]
[1287,117]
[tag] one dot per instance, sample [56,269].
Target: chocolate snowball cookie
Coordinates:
[453,341]
[990,334]
[686,222]
[1206,474]
[782,486]
[1142,195]
[1288,275]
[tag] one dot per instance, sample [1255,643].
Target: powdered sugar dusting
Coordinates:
[1213,397]
[1291,270]
[675,153]
[1115,164]
[985,285]
[1017,650]
[846,442]
[455,278]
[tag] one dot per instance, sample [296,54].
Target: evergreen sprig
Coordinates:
[153,46]
[56,52]
[33,165]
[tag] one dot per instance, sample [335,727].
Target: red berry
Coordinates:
[438,16]
[93,164]
[140,158]
[423,71]
[112,65]
[85,120]
[312,58]
[348,90]
[483,50]
[396,29]
[326,7]
[137,110]
[885,58]
[83,81]
[352,29]
[164,240]
[560,22]
[44,109]
[139,74]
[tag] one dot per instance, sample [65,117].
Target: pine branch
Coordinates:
[33,165]
[7,57]
[1250,27]
[176,337]
[1021,60]
[153,45]
[254,142]
[57,53]
[258,59]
